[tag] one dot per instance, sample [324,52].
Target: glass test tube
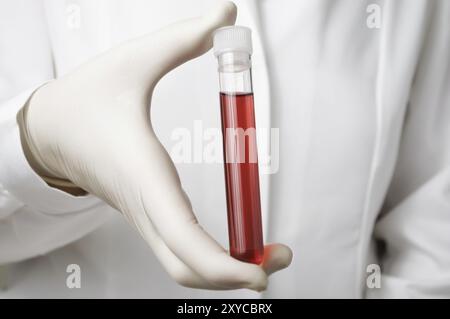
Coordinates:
[233,49]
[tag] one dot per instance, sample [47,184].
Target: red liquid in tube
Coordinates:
[242,177]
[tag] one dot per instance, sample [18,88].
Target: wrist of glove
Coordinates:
[37,164]
[92,128]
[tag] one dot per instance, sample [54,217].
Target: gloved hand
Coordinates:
[92,127]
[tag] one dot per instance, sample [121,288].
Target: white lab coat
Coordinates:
[364,119]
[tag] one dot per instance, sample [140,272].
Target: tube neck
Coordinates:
[234,61]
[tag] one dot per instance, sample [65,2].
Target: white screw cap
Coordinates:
[232,38]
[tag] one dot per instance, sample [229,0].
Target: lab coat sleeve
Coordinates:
[415,227]
[34,218]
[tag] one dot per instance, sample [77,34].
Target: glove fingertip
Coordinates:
[222,14]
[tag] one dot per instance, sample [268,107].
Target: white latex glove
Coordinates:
[92,128]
